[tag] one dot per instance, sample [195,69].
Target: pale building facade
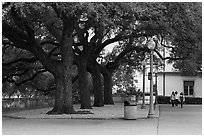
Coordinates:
[173,81]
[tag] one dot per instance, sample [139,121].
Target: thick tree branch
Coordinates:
[119,37]
[162,40]
[6,4]
[170,58]
[50,18]
[33,46]
[53,87]
[14,35]
[29,60]
[7,77]
[113,65]
[47,62]
[26,80]
[46,91]
[49,42]
[107,42]
[130,49]
[52,51]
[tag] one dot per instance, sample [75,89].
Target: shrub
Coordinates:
[193,100]
[163,99]
[130,91]
[188,100]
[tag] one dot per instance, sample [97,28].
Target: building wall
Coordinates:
[198,87]
[174,82]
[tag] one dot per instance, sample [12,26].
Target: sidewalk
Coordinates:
[107,112]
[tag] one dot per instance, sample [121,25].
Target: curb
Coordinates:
[88,118]
[70,116]
[14,117]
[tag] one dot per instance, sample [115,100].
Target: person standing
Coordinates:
[176,98]
[172,99]
[182,99]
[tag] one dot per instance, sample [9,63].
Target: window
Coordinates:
[188,88]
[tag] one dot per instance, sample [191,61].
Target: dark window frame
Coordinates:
[188,88]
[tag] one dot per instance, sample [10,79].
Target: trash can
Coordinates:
[130,110]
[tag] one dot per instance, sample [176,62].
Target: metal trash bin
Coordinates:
[130,110]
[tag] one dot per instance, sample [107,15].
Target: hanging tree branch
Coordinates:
[171,58]
[26,80]
[7,77]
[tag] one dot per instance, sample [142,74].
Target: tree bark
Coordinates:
[97,85]
[108,97]
[83,79]
[63,99]
[63,78]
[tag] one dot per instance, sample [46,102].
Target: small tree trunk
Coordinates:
[108,84]
[108,97]
[83,83]
[97,84]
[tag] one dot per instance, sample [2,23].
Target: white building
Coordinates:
[167,82]
[170,80]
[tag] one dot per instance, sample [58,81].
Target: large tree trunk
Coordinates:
[97,85]
[63,97]
[108,97]
[63,78]
[83,83]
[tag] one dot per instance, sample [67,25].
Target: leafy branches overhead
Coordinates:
[104,23]
[187,24]
[39,28]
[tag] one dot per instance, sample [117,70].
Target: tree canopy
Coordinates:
[57,37]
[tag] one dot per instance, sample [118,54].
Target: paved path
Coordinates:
[79,127]
[177,121]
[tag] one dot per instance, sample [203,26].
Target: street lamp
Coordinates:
[151,46]
[143,86]
[156,93]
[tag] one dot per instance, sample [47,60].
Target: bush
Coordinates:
[163,99]
[193,100]
[188,100]
[130,91]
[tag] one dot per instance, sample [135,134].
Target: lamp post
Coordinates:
[156,93]
[143,86]
[151,45]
